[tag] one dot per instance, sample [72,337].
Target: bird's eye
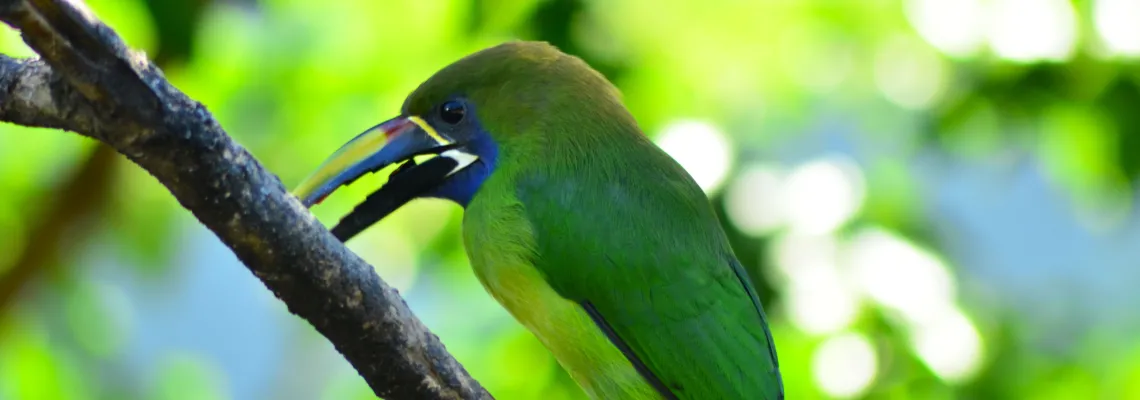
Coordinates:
[452,112]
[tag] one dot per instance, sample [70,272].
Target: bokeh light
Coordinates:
[819,301]
[899,276]
[844,365]
[1115,21]
[908,73]
[792,254]
[1033,30]
[949,344]
[702,149]
[823,194]
[956,27]
[755,200]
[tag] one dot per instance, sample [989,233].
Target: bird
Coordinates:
[591,236]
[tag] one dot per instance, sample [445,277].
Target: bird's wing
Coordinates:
[650,263]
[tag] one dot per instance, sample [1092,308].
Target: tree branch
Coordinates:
[90,83]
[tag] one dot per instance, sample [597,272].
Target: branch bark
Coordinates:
[89,82]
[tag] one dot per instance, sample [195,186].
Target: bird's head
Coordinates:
[472,115]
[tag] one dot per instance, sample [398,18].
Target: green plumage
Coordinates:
[584,226]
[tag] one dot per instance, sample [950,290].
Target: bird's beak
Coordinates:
[396,140]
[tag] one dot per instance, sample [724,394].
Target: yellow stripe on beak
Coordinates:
[429,130]
[393,141]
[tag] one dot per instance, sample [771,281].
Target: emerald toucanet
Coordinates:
[591,236]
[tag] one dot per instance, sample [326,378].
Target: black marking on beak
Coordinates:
[407,182]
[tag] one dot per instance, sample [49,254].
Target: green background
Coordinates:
[935,197]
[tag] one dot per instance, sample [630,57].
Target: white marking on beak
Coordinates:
[463,160]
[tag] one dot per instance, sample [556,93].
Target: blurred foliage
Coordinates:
[846,145]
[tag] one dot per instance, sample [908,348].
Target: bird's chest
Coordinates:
[500,245]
